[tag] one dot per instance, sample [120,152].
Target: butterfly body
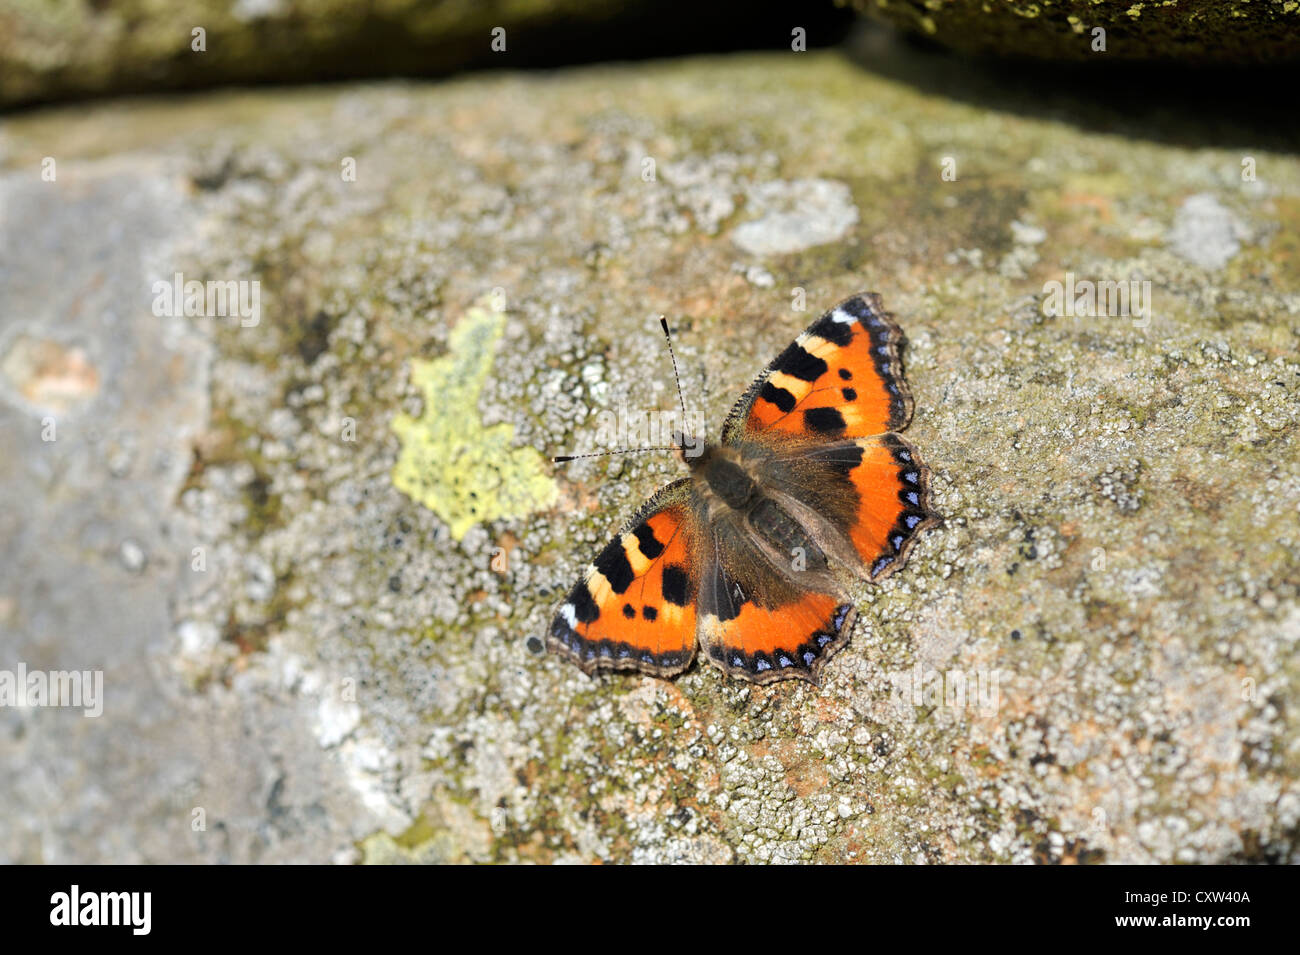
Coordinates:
[774,517]
[752,556]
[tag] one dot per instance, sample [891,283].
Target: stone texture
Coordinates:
[1093,659]
[1236,32]
[67,50]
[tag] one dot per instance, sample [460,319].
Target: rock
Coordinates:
[47,374]
[1193,31]
[1093,659]
[463,472]
[797,215]
[132,46]
[1205,232]
[133,556]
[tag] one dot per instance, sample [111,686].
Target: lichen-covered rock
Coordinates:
[1093,659]
[53,50]
[60,50]
[465,473]
[1190,31]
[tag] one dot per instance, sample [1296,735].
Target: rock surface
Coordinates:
[1237,32]
[1093,659]
[56,51]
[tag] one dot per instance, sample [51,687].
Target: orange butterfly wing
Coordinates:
[764,644]
[842,378]
[892,487]
[635,608]
[840,393]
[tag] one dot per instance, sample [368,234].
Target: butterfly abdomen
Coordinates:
[785,535]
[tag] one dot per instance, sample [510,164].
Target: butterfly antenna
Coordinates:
[663,322]
[564,458]
[600,454]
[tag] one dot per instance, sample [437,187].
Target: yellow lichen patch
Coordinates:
[450,462]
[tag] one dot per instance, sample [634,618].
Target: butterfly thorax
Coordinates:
[722,473]
[762,535]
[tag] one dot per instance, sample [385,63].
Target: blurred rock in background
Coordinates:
[1226,32]
[54,51]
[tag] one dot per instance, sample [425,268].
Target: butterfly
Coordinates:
[750,558]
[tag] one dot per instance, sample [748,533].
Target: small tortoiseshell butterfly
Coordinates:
[751,557]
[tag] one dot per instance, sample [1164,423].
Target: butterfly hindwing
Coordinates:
[748,636]
[842,378]
[635,607]
[889,486]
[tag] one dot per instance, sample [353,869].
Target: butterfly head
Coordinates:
[689,448]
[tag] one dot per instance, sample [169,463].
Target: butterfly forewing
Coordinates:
[635,607]
[842,378]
